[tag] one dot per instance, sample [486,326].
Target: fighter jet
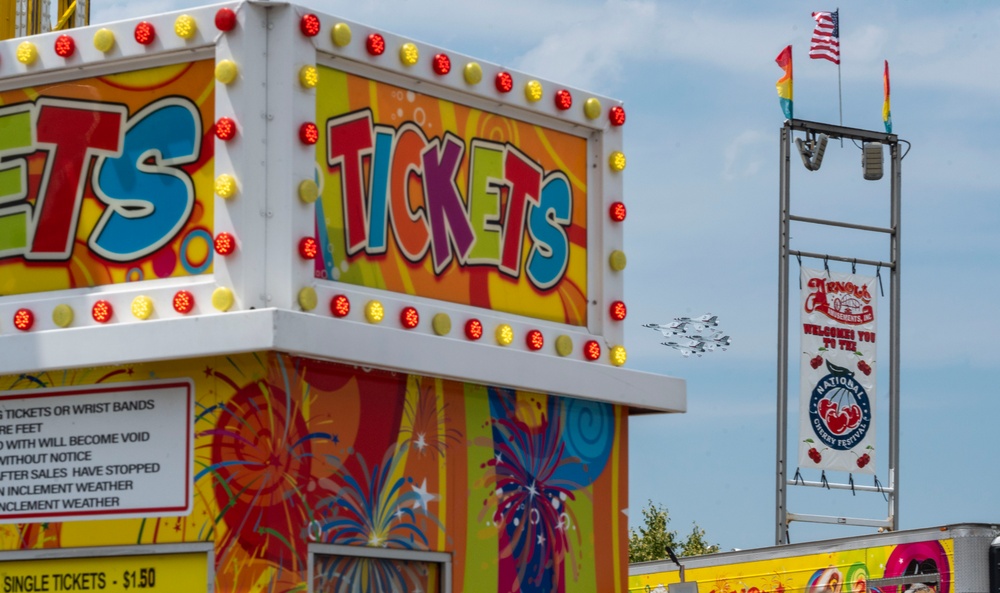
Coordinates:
[669,329]
[700,323]
[716,339]
[692,335]
[688,348]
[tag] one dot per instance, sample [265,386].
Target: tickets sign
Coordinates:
[424,196]
[106,179]
[96,451]
[152,573]
[837,405]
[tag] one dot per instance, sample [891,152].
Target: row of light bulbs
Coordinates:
[183,302]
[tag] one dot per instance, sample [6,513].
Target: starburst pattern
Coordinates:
[373,508]
[262,458]
[426,421]
[531,496]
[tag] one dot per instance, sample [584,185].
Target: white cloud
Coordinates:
[744,154]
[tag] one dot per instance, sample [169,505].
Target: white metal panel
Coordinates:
[407,351]
[245,157]
[349,342]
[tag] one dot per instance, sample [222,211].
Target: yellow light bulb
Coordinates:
[473,73]
[308,191]
[308,299]
[27,53]
[374,312]
[225,185]
[409,54]
[185,26]
[618,355]
[142,307]
[617,161]
[62,315]
[564,345]
[533,91]
[592,108]
[226,71]
[104,40]
[441,324]
[309,76]
[340,34]
[617,260]
[505,334]
[222,298]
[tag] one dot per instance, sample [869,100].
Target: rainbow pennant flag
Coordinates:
[784,85]
[886,111]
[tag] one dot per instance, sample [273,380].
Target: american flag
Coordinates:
[826,37]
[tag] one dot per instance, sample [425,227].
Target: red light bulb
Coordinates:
[409,317]
[225,128]
[225,19]
[592,350]
[564,100]
[24,319]
[340,306]
[504,82]
[375,44]
[617,115]
[617,212]
[535,340]
[442,64]
[102,311]
[618,311]
[145,33]
[225,243]
[65,46]
[308,248]
[473,329]
[309,25]
[183,302]
[309,133]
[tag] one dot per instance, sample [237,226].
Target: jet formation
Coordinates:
[693,335]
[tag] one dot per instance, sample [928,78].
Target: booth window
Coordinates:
[342,569]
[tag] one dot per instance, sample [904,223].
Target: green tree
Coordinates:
[651,540]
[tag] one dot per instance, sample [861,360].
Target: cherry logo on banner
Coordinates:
[839,409]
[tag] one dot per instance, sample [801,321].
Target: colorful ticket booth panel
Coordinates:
[290,303]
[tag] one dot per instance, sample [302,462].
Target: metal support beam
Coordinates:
[835,486]
[831,520]
[781,470]
[850,260]
[894,341]
[841,132]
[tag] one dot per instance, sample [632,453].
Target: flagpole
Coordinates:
[840,90]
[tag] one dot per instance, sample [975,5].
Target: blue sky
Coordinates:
[701,187]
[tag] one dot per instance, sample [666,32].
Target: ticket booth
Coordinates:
[290,303]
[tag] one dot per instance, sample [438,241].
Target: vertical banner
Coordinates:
[837,394]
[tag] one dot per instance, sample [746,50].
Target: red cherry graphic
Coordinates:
[815,455]
[861,462]
[826,406]
[816,361]
[837,422]
[853,415]
[863,366]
